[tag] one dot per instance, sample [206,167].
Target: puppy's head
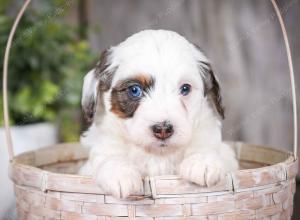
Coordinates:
[156,86]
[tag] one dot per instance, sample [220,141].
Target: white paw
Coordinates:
[119,180]
[202,170]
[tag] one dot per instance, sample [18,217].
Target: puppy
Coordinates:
[155,107]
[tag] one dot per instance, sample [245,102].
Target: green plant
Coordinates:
[46,69]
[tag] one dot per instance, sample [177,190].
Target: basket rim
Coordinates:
[35,177]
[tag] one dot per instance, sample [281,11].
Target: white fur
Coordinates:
[123,151]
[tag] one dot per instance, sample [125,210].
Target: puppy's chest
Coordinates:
[153,165]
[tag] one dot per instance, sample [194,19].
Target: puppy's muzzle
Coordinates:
[162,130]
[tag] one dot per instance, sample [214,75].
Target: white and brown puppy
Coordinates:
[156,108]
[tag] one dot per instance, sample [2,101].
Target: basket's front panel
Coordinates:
[272,201]
[261,193]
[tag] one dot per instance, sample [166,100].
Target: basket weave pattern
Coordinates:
[48,193]
[275,202]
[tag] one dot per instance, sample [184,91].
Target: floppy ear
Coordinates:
[211,88]
[89,95]
[211,85]
[96,82]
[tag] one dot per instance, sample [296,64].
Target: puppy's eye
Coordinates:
[135,91]
[185,89]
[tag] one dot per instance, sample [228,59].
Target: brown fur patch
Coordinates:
[102,73]
[212,89]
[122,104]
[104,76]
[211,86]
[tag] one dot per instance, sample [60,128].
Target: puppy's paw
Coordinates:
[204,171]
[120,181]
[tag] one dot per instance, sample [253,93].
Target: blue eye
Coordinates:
[135,91]
[185,89]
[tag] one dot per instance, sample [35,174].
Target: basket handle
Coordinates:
[292,75]
[9,142]
[5,74]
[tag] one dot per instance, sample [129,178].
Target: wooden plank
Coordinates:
[159,210]
[244,179]
[174,185]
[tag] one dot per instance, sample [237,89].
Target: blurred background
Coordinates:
[59,41]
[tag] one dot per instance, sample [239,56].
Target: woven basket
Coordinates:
[47,187]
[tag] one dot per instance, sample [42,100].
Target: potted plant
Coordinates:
[47,64]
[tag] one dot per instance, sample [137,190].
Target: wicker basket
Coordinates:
[46,186]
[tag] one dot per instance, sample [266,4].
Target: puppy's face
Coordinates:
[156,86]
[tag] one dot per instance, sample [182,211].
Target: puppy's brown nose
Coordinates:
[162,130]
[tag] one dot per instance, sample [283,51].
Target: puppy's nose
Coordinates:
[162,130]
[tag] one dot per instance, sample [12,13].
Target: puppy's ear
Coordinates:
[211,87]
[89,95]
[96,82]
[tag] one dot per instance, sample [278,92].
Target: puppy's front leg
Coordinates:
[117,176]
[207,167]
[205,170]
